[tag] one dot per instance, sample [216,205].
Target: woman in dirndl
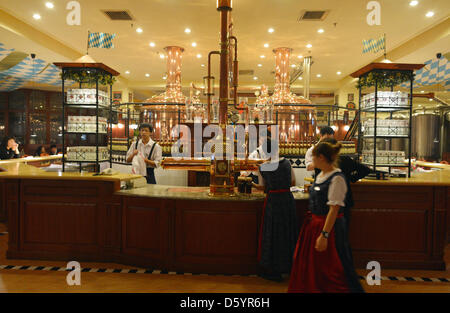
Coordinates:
[323,259]
[279,225]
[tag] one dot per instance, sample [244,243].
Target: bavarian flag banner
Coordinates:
[100,40]
[374,45]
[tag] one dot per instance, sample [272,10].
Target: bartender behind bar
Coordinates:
[145,152]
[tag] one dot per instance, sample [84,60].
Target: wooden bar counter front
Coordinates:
[75,217]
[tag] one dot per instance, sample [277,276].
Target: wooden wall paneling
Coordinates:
[395,228]
[439,229]
[12,207]
[2,201]
[145,231]
[113,225]
[222,236]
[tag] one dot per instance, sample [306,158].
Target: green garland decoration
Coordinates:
[385,79]
[88,78]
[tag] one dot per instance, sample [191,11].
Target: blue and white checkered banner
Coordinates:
[28,70]
[101,40]
[4,52]
[374,45]
[434,72]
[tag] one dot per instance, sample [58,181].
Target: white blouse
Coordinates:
[337,189]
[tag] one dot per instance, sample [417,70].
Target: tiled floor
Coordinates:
[12,280]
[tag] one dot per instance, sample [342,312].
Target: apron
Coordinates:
[150,170]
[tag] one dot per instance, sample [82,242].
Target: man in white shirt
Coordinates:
[257,154]
[325,132]
[149,150]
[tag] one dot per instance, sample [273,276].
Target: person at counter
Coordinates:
[256,155]
[279,228]
[40,151]
[149,152]
[9,149]
[323,259]
[325,132]
[53,150]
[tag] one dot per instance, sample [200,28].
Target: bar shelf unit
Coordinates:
[371,106]
[88,111]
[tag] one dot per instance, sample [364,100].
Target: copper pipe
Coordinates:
[224,7]
[208,92]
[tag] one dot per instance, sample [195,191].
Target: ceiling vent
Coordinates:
[118,15]
[313,15]
[246,72]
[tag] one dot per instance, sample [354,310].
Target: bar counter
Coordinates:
[401,223]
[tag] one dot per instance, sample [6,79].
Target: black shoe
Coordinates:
[272,277]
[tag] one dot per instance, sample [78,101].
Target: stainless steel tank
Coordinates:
[426,129]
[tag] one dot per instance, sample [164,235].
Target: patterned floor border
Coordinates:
[150,271]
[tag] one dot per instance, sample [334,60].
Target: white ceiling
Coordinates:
[339,48]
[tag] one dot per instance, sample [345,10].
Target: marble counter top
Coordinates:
[194,193]
[19,170]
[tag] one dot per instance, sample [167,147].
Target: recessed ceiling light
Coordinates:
[266,45]
[161,56]
[187,30]
[147,75]
[259,65]
[431,99]
[139,30]
[37,16]
[271,30]
[429,14]
[203,65]
[339,73]
[127,72]
[300,78]
[49,5]
[164,77]
[309,45]
[262,56]
[194,44]
[199,56]
[152,44]
[300,56]
[255,78]
[293,65]
[319,75]
[414,3]
[320,31]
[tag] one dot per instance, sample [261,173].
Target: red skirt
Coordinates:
[314,271]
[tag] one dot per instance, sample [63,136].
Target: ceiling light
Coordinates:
[152,44]
[262,56]
[339,73]
[319,75]
[164,77]
[187,30]
[194,44]
[199,56]
[203,65]
[429,14]
[36,16]
[139,30]
[300,56]
[414,3]
[293,65]
[422,91]
[431,99]
[255,78]
[259,65]
[309,45]
[320,31]
[271,30]
[127,72]
[161,56]
[300,78]
[49,5]
[266,45]
[147,75]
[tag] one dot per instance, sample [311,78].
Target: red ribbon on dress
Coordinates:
[262,218]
